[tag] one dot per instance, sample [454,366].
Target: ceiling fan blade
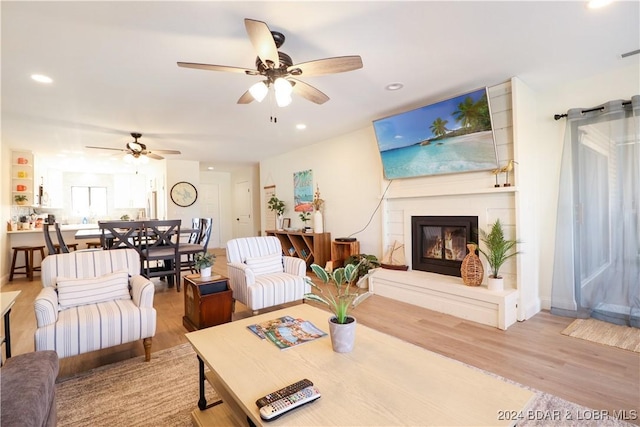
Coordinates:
[153,156]
[211,67]
[107,148]
[308,92]
[338,64]
[167,151]
[262,41]
[246,98]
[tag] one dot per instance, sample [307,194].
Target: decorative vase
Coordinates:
[280,219]
[471,269]
[496,284]
[205,272]
[343,335]
[317,222]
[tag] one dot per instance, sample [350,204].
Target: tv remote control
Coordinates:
[280,407]
[283,392]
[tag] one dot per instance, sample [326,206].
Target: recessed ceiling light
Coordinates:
[301,126]
[41,78]
[210,168]
[596,4]
[394,86]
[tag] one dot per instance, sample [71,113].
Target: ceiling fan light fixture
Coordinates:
[282,86]
[135,160]
[259,91]
[283,99]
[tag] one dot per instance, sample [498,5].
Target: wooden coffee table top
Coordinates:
[384,381]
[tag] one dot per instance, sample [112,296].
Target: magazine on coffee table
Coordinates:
[286,332]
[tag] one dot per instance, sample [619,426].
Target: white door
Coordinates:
[210,208]
[242,210]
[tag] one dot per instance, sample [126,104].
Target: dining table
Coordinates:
[97,233]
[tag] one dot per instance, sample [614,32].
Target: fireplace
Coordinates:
[439,243]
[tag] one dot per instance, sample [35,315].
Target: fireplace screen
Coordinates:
[439,243]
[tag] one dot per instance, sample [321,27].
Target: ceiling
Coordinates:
[114,67]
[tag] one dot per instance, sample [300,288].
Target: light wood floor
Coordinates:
[532,353]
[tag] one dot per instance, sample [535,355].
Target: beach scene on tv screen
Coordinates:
[450,136]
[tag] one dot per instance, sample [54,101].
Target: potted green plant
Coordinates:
[20,199]
[276,205]
[498,251]
[203,261]
[365,263]
[340,295]
[305,217]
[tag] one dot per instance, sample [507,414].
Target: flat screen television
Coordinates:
[450,136]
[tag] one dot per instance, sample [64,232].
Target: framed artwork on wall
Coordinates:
[303,191]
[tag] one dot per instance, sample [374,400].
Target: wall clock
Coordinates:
[184,194]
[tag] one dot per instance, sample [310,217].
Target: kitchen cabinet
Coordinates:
[130,191]
[22,182]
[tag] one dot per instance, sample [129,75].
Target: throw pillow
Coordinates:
[73,292]
[265,264]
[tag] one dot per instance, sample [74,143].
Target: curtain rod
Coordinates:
[560,116]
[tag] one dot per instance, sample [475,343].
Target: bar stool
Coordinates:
[29,262]
[94,244]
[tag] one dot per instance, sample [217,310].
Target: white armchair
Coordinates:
[260,276]
[92,300]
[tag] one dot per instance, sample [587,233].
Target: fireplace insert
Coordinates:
[439,243]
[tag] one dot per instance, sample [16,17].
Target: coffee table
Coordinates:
[383,381]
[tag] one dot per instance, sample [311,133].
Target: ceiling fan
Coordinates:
[137,149]
[278,69]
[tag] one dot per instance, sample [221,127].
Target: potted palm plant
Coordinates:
[276,205]
[203,262]
[341,295]
[498,250]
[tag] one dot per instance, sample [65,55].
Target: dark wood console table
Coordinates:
[311,247]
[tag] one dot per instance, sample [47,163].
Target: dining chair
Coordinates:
[159,251]
[121,234]
[61,246]
[198,242]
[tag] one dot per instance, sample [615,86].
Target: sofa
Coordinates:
[28,384]
[93,300]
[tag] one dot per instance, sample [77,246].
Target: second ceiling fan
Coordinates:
[278,69]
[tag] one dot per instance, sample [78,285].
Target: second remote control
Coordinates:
[283,392]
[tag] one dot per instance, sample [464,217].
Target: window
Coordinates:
[89,201]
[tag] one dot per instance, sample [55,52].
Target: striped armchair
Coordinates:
[92,300]
[260,276]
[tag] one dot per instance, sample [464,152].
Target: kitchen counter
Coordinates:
[68,227]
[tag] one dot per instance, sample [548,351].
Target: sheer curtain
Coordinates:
[597,254]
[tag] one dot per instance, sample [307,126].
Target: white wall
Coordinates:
[177,171]
[348,172]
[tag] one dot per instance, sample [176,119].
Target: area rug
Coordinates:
[164,392]
[605,333]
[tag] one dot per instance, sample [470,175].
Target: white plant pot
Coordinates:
[205,272]
[495,284]
[343,336]
[280,225]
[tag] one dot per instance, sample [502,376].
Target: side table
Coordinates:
[7,299]
[340,251]
[208,301]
